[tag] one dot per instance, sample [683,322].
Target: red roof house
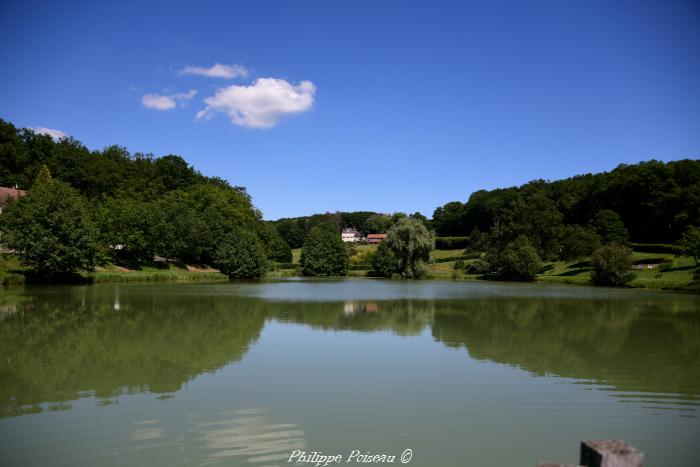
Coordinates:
[9,193]
[376,238]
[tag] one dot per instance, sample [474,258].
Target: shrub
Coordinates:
[478,266]
[611,265]
[459,265]
[241,256]
[518,261]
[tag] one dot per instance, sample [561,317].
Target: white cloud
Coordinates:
[166,102]
[55,134]
[262,104]
[217,70]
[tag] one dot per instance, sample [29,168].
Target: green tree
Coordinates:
[578,242]
[478,242]
[410,242]
[127,226]
[418,215]
[323,253]
[689,243]
[610,227]
[44,177]
[384,262]
[518,261]
[52,230]
[240,255]
[279,250]
[611,265]
[377,223]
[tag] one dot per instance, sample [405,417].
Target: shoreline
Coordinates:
[680,275]
[190,277]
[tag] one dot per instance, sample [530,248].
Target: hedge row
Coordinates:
[655,248]
[451,243]
[449,258]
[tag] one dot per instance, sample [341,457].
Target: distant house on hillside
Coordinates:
[9,193]
[376,238]
[350,235]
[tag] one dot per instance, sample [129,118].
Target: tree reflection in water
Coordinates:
[60,344]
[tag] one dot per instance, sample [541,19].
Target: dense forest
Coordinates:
[656,201]
[130,206]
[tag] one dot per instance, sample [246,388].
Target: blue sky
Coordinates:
[362,105]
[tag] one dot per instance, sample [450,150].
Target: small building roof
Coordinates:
[378,236]
[7,193]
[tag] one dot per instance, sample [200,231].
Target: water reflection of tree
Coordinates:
[103,341]
[74,343]
[631,345]
[406,317]
[60,344]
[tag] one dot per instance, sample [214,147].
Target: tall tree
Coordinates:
[689,243]
[323,253]
[410,243]
[241,255]
[52,230]
[610,227]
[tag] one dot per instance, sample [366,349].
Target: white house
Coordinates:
[351,235]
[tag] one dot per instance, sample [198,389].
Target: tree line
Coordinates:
[655,201]
[87,207]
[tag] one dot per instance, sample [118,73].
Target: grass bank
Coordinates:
[13,274]
[663,271]
[150,273]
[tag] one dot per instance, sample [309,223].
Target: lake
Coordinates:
[463,374]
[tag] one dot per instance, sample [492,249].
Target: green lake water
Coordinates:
[463,374]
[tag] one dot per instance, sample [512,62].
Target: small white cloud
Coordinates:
[55,134]
[217,70]
[262,104]
[167,102]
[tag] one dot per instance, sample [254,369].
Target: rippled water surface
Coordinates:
[464,374]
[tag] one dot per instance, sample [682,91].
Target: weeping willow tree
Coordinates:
[406,250]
